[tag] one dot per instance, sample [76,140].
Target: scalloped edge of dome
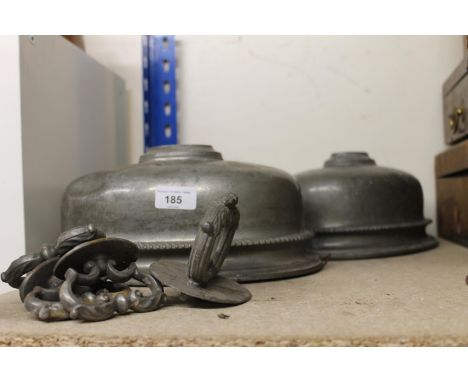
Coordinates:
[155,246]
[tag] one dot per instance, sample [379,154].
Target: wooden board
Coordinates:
[412,300]
[451,169]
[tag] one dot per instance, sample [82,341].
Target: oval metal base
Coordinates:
[39,276]
[123,252]
[366,245]
[219,289]
[251,264]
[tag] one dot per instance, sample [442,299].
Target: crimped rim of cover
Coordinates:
[383,227]
[390,249]
[299,237]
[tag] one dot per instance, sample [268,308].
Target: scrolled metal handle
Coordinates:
[37,302]
[105,304]
[154,300]
[14,275]
[213,239]
[69,239]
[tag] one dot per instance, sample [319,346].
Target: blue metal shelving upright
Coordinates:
[159,91]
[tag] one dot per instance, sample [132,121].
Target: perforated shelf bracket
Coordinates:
[159,91]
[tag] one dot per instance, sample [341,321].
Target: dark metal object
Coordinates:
[45,305]
[451,169]
[42,276]
[360,210]
[270,242]
[81,277]
[66,241]
[14,275]
[219,290]
[76,236]
[99,260]
[106,304]
[110,257]
[213,239]
[455,92]
[91,263]
[211,246]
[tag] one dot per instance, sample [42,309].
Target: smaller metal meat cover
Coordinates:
[159,202]
[360,210]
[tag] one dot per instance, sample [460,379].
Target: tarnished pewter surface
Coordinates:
[75,236]
[271,234]
[72,237]
[42,275]
[360,210]
[100,251]
[283,266]
[96,264]
[105,304]
[82,277]
[45,305]
[199,279]
[213,240]
[220,290]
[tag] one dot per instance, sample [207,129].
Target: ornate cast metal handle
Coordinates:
[81,276]
[211,246]
[76,236]
[213,239]
[14,275]
[105,304]
[44,304]
[154,300]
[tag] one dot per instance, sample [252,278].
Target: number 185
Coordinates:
[172,199]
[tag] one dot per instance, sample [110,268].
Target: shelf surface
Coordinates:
[418,300]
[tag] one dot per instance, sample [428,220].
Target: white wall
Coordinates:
[11,174]
[289,102]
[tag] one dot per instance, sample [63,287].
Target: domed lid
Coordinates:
[159,202]
[351,194]
[349,159]
[180,152]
